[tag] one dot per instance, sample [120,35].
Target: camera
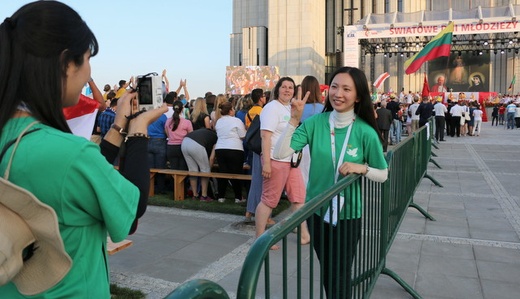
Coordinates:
[149,92]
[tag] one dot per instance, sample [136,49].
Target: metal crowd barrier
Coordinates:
[295,271]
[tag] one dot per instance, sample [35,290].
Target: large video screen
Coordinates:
[242,80]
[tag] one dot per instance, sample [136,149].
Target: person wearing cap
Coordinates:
[440,122]
[57,248]
[425,111]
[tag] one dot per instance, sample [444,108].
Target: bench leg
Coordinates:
[151,192]
[178,182]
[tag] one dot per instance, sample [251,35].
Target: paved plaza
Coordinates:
[472,250]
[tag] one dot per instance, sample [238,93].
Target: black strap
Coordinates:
[8,145]
[249,116]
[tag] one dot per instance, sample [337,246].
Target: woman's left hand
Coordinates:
[349,168]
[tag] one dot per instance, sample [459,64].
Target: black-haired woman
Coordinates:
[344,139]
[176,129]
[229,149]
[45,48]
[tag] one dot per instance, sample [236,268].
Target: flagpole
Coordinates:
[514,79]
[446,72]
[447,64]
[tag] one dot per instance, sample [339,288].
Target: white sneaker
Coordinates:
[243,200]
[221,200]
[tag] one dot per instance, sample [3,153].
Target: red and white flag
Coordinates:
[82,116]
[379,81]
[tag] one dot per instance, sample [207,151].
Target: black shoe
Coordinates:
[442,140]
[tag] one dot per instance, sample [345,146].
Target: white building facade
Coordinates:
[310,37]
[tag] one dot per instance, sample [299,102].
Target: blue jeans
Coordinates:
[255,191]
[511,120]
[395,131]
[157,159]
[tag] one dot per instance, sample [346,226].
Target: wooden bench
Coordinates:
[179,176]
[112,247]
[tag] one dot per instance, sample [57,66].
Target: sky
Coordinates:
[190,39]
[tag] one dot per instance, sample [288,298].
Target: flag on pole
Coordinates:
[439,46]
[512,82]
[379,81]
[82,116]
[426,88]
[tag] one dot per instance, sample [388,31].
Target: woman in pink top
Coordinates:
[176,128]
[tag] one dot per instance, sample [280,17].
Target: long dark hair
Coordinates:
[36,45]
[364,108]
[178,106]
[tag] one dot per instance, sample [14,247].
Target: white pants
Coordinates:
[476,127]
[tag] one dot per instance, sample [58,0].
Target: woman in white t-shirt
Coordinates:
[477,124]
[229,149]
[278,173]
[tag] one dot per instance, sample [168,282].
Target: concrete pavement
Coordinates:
[471,251]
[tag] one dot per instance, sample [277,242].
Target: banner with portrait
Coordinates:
[461,73]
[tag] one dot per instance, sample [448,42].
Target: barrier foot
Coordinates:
[421,210]
[400,281]
[435,163]
[434,154]
[433,180]
[198,289]
[435,145]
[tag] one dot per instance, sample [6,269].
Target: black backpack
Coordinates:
[253,139]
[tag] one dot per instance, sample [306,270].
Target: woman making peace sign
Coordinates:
[344,139]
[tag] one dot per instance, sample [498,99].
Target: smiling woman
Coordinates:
[343,140]
[277,172]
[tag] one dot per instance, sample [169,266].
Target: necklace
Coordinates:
[287,105]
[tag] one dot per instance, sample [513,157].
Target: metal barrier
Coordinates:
[364,239]
[198,289]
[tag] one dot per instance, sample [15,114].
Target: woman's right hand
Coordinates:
[266,170]
[124,104]
[142,121]
[297,106]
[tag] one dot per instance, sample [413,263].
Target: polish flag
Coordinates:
[82,116]
[379,81]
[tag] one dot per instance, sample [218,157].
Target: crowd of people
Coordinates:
[308,142]
[506,114]
[456,116]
